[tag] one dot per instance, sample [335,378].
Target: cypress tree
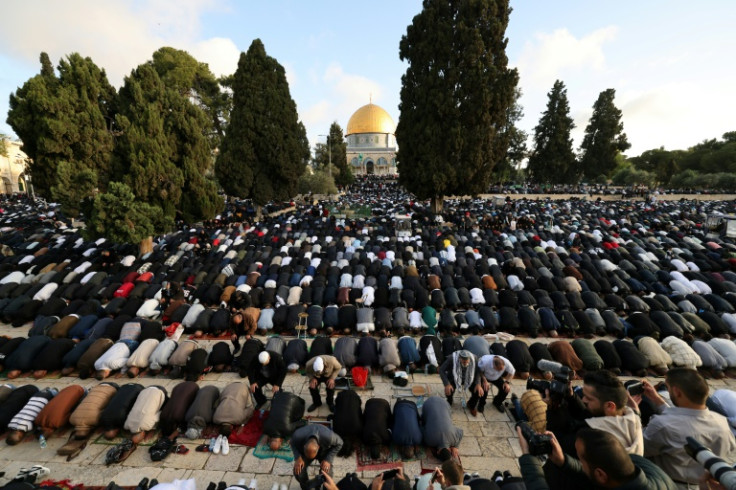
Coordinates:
[552,161]
[64,119]
[604,137]
[265,148]
[454,98]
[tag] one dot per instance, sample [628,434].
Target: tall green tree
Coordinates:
[65,118]
[517,150]
[265,149]
[75,188]
[180,71]
[3,145]
[604,137]
[334,151]
[120,216]
[552,160]
[455,96]
[145,152]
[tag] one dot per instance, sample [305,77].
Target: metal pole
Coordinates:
[329,153]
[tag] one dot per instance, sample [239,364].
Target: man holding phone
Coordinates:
[313,442]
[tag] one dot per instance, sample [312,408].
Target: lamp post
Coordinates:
[329,153]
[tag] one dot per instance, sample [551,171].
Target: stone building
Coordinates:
[371,141]
[12,168]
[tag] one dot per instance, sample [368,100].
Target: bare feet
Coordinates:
[137,438]
[110,434]
[39,374]
[13,374]
[67,371]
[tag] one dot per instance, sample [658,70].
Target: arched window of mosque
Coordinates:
[354,162]
[382,161]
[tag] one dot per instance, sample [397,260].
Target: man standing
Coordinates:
[312,442]
[268,368]
[322,369]
[459,372]
[664,436]
[496,370]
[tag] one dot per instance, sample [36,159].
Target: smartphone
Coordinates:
[635,388]
[434,475]
[390,474]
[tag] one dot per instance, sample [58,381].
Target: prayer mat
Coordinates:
[210,431]
[390,458]
[346,383]
[251,432]
[263,450]
[430,462]
[222,336]
[148,439]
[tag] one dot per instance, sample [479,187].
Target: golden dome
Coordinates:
[370,119]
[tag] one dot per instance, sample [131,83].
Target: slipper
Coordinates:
[76,452]
[71,446]
[36,472]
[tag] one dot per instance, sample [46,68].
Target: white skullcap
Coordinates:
[264,357]
[319,365]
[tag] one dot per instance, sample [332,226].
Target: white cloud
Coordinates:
[118,36]
[348,93]
[549,55]
[221,54]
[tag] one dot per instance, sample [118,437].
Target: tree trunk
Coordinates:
[436,204]
[145,246]
[259,212]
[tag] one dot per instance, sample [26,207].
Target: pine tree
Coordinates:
[517,150]
[64,119]
[552,160]
[454,98]
[145,153]
[265,148]
[334,151]
[604,137]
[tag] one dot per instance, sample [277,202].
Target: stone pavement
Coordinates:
[489,442]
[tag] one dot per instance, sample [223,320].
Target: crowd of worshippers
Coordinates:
[646,273]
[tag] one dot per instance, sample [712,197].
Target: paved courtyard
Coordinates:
[489,441]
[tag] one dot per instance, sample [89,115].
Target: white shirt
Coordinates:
[485,364]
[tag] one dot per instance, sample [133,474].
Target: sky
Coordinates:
[665,59]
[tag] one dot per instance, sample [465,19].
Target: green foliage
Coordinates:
[604,137]
[552,160]
[145,151]
[192,79]
[662,163]
[628,175]
[64,118]
[317,182]
[265,149]
[707,165]
[75,187]
[121,217]
[335,151]
[517,151]
[3,145]
[455,97]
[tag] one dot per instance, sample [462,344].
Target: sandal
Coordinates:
[120,453]
[33,473]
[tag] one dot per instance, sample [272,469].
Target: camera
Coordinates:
[558,387]
[635,388]
[539,444]
[387,475]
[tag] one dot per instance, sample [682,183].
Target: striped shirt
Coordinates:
[24,419]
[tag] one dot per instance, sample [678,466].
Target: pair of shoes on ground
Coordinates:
[315,406]
[500,476]
[221,446]
[32,474]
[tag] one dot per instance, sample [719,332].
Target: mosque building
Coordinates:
[371,141]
